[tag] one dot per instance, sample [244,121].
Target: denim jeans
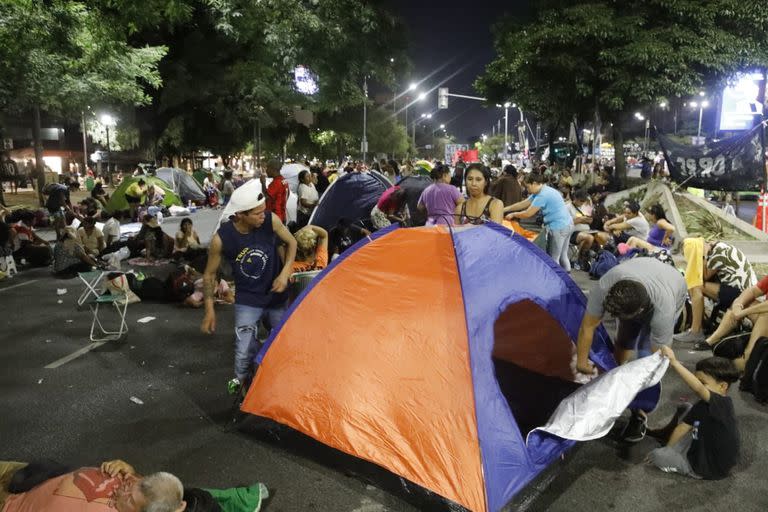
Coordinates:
[246,335]
[558,246]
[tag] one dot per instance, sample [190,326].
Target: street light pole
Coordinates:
[365,119]
[85,144]
[506,129]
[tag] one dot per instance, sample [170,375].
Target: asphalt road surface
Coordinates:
[66,401]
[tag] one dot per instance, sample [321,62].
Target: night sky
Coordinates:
[458,37]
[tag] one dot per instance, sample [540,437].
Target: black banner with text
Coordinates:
[735,163]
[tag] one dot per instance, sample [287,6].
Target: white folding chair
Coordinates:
[8,265]
[120,303]
[93,282]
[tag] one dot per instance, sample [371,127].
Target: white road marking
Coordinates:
[74,355]
[17,285]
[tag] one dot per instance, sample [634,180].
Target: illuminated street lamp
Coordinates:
[107,120]
[701,105]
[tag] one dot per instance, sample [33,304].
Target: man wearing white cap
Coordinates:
[249,242]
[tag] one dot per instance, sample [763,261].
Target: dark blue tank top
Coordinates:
[255,263]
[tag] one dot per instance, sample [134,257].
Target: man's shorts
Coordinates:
[132,199]
[634,335]
[727,295]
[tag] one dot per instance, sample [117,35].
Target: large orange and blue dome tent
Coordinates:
[432,353]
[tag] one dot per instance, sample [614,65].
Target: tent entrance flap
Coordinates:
[531,357]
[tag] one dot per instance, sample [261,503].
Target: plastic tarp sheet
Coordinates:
[352,197]
[183,184]
[591,411]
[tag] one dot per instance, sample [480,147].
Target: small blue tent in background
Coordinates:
[352,197]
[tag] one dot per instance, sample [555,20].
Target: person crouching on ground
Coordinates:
[646,296]
[705,443]
[248,241]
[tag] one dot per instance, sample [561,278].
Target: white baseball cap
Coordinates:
[244,199]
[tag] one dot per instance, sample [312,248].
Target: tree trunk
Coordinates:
[620,160]
[39,164]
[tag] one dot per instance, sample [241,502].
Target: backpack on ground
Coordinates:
[605,261]
[731,347]
[755,379]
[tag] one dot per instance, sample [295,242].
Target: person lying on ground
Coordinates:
[91,237]
[223,294]
[622,228]
[705,443]
[27,245]
[659,235]
[69,256]
[715,270]
[114,486]
[746,305]
[646,296]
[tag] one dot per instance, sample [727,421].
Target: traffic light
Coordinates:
[442,97]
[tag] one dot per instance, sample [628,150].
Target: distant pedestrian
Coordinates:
[277,193]
[507,187]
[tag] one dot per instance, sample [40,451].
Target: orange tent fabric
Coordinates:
[517,228]
[312,381]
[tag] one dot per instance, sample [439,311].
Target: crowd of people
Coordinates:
[646,294]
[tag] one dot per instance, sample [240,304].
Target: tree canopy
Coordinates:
[615,56]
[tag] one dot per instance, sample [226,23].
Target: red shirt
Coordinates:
[763,285]
[277,197]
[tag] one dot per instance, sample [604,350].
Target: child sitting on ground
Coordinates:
[705,443]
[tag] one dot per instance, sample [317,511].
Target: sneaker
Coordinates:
[635,430]
[702,345]
[233,386]
[689,337]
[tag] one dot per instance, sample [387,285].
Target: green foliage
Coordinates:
[575,56]
[61,55]
[491,147]
[232,63]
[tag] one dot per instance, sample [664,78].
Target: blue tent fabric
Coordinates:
[508,464]
[352,197]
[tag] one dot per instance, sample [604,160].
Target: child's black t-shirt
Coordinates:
[715,447]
